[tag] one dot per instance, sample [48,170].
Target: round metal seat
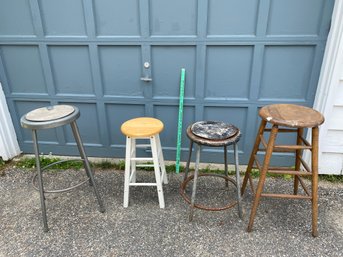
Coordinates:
[53,117]
[213,134]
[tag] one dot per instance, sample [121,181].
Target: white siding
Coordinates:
[329,98]
[8,141]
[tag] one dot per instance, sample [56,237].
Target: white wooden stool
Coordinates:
[143,128]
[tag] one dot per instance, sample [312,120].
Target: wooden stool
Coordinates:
[293,119]
[53,117]
[143,128]
[214,134]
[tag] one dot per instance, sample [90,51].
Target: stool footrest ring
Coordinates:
[58,190]
[203,207]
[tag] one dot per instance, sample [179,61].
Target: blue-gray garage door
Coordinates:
[239,55]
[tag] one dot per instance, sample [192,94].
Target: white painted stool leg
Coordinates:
[127,171]
[154,150]
[133,163]
[161,160]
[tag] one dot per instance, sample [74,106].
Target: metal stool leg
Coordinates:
[158,178]
[133,162]
[86,163]
[314,181]
[225,164]
[263,175]
[195,182]
[40,180]
[189,160]
[239,202]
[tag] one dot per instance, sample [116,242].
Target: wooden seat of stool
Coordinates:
[142,127]
[290,115]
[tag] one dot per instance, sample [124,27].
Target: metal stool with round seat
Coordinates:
[145,128]
[286,118]
[213,134]
[53,117]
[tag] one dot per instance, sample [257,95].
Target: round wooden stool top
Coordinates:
[142,127]
[291,115]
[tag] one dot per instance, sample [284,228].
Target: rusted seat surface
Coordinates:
[291,115]
[215,143]
[142,127]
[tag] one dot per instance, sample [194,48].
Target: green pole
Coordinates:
[179,126]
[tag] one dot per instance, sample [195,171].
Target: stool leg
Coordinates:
[161,160]
[239,202]
[86,163]
[40,180]
[127,171]
[197,160]
[263,175]
[252,156]
[189,160]
[154,149]
[133,163]
[297,160]
[225,164]
[315,181]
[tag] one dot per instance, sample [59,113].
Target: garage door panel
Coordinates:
[232,17]
[71,70]
[116,115]
[169,116]
[228,71]
[173,18]
[88,123]
[23,69]
[117,18]
[16,19]
[167,62]
[63,17]
[233,115]
[294,17]
[121,68]
[279,63]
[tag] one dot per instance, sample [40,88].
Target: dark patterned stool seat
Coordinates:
[213,134]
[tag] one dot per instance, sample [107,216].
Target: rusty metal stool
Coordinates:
[52,117]
[291,119]
[214,134]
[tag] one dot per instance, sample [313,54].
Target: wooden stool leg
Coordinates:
[297,160]
[315,181]
[161,160]
[239,202]
[127,171]
[133,162]
[154,150]
[197,160]
[252,156]
[263,175]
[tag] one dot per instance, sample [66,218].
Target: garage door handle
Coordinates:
[146,79]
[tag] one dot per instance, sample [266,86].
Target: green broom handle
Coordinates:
[179,127]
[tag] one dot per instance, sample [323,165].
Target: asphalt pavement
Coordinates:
[282,227]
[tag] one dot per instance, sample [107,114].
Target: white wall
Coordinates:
[329,98]
[9,147]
